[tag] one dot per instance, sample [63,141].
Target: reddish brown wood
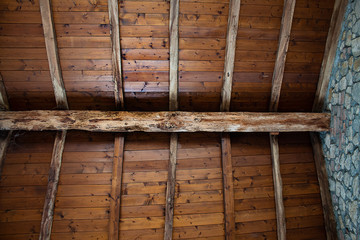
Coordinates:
[116,187]
[53,180]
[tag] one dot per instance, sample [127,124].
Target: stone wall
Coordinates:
[341,144]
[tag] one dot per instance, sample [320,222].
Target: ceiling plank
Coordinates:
[174,55]
[114,121]
[329,217]
[279,202]
[53,180]
[228,186]
[116,187]
[52,54]
[232,29]
[284,37]
[170,188]
[116,53]
[329,54]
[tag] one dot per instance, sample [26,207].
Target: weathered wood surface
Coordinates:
[284,37]
[5,137]
[329,218]
[53,180]
[116,181]
[174,54]
[52,54]
[110,121]
[170,189]
[228,186]
[329,54]
[232,29]
[116,52]
[4,103]
[278,188]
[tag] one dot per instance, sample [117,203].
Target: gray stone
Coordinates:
[345,68]
[357,9]
[338,189]
[356,139]
[356,28]
[331,185]
[349,79]
[355,45]
[327,140]
[341,204]
[348,38]
[356,65]
[347,179]
[353,209]
[355,187]
[356,92]
[348,162]
[347,101]
[332,151]
[343,84]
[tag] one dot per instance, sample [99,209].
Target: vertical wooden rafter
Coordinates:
[284,37]
[232,29]
[280,210]
[54,172]
[174,54]
[113,7]
[5,136]
[173,105]
[228,186]
[329,53]
[62,103]
[170,187]
[52,54]
[116,187]
[278,75]
[329,217]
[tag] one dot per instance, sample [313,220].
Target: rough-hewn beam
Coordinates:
[279,203]
[174,54]
[116,187]
[113,7]
[112,121]
[329,218]
[54,172]
[228,186]
[52,54]
[284,37]
[233,21]
[329,53]
[4,103]
[170,189]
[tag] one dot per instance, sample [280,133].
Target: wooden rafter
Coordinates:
[329,54]
[329,217]
[173,106]
[232,29]
[170,189]
[4,103]
[116,53]
[112,121]
[116,187]
[174,54]
[53,180]
[284,37]
[278,75]
[52,54]
[228,186]
[279,203]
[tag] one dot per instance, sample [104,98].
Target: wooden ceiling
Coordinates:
[84,45]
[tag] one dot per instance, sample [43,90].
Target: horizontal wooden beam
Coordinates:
[115,121]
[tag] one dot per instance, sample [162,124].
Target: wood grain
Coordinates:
[54,173]
[107,121]
[329,218]
[170,189]
[280,210]
[286,22]
[329,54]
[174,54]
[116,53]
[116,182]
[232,29]
[52,53]
[228,186]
